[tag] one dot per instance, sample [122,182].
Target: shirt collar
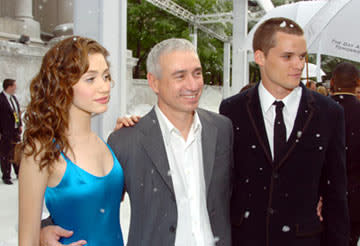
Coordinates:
[7,95]
[291,101]
[167,127]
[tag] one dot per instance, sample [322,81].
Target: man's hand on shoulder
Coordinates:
[319,209]
[50,236]
[126,121]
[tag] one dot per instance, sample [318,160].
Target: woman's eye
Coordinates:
[107,77]
[91,79]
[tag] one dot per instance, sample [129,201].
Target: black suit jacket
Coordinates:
[351,107]
[9,135]
[274,204]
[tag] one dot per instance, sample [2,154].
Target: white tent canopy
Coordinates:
[310,71]
[333,31]
[300,12]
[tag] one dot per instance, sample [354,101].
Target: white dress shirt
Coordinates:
[290,109]
[186,170]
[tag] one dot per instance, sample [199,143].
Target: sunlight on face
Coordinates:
[281,68]
[92,91]
[181,83]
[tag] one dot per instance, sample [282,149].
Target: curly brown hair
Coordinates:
[51,94]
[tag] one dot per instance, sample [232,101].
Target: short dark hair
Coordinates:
[7,83]
[264,37]
[345,75]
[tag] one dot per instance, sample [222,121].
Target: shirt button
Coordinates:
[172,229]
[275,175]
[271,211]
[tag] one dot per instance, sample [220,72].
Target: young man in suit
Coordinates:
[10,128]
[289,149]
[177,159]
[344,81]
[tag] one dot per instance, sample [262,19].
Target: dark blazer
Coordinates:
[141,152]
[351,107]
[274,204]
[8,133]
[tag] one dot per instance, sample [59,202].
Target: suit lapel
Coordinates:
[208,140]
[6,101]
[303,117]
[154,146]
[257,120]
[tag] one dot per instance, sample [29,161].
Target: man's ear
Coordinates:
[259,57]
[153,82]
[332,82]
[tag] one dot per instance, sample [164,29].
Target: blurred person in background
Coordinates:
[344,81]
[311,84]
[10,129]
[322,90]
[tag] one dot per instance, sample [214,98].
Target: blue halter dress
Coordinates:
[88,205]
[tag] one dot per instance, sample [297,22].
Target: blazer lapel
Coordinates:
[257,120]
[303,117]
[154,146]
[6,101]
[208,140]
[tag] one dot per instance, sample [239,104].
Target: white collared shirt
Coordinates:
[186,169]
[9,100]
[290,109]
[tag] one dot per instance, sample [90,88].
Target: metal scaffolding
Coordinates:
[239,19]
[182,13]
[215,18]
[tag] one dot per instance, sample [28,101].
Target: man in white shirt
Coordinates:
[10,128]
[178,170]
[177,159]
[289,150]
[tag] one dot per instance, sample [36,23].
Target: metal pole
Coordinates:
[226,72]
[239,59]
[123,56]
[87,23]
[195,36]
[105,21]
[318,67]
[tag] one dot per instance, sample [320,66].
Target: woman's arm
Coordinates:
[32,185]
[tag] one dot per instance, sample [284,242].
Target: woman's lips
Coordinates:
[103,100]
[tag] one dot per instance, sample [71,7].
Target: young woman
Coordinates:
[62,159]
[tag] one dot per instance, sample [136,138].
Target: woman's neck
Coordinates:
[79,123]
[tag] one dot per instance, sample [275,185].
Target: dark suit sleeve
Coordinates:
[6,122]
[3,127]
[46,222]
[333,187]
[223,108]
[117,144]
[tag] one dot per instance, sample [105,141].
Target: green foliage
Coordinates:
[148,25]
